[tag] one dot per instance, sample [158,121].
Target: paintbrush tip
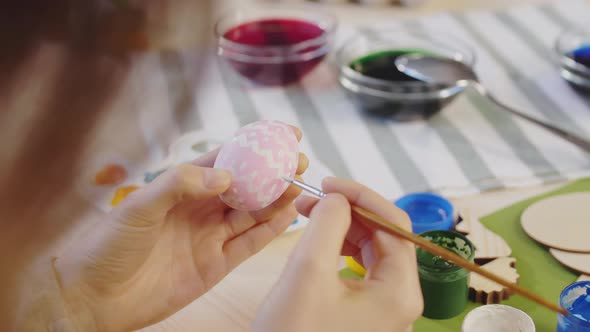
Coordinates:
[288,179]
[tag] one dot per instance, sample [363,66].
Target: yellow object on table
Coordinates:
[354,266]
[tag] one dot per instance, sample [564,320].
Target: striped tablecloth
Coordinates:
[469,148]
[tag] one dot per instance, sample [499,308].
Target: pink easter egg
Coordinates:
[258,156]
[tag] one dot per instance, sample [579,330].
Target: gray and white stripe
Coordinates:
[468,148]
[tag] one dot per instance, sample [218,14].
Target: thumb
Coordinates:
[322,241]
[181,183]
[391,256]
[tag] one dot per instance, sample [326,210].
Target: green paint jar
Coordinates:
[445,286]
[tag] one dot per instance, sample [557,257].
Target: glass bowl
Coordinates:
[573,50]
[275,46]
[402,98]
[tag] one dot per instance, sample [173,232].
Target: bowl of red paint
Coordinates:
[274,47]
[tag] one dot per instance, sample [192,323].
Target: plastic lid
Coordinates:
[427,211]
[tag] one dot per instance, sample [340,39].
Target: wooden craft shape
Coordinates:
[488,245]
[482,290]
[560,222]
[578,262]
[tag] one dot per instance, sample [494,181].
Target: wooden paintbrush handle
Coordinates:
[374,220]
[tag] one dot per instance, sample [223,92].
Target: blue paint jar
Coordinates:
[575,298]
[427,211]
[573,51]
[581,55]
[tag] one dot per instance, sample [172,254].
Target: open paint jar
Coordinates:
[497,318]
[575,298]
[427,212]
[573,48]
[445,286]
[369,74]
[274,46]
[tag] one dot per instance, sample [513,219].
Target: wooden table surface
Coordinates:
[232,304]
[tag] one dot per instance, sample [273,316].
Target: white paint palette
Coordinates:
[561,222]
[186,148]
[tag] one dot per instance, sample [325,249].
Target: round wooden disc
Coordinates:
[579,262]
[561,222]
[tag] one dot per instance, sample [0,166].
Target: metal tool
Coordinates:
[436,69]
[310,189]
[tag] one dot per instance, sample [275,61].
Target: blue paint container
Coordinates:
[581,55]
[575,298]
[427,211]
[573,50]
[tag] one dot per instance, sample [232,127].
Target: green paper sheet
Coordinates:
[539,271]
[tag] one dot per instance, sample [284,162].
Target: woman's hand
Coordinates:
[310,296]
[165,245]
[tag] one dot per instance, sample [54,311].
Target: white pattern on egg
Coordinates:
[258,163]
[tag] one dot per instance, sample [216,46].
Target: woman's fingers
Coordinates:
[367,199]
[297,132]
[305,204]
[281,203]
[302,164]
[207,159]
[324,236]
[181,183]
[357,234]
[256,237]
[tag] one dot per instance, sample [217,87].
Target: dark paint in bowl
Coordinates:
[369,76]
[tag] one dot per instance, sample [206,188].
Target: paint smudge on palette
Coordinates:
[122,193]
[110,175]
[201,147]
[151,176]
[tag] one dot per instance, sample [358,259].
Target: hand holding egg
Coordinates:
[259,156]
[180,228]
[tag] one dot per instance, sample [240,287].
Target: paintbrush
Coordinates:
[376,221]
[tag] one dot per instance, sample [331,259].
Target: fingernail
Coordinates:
[297,131]
[216,178]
